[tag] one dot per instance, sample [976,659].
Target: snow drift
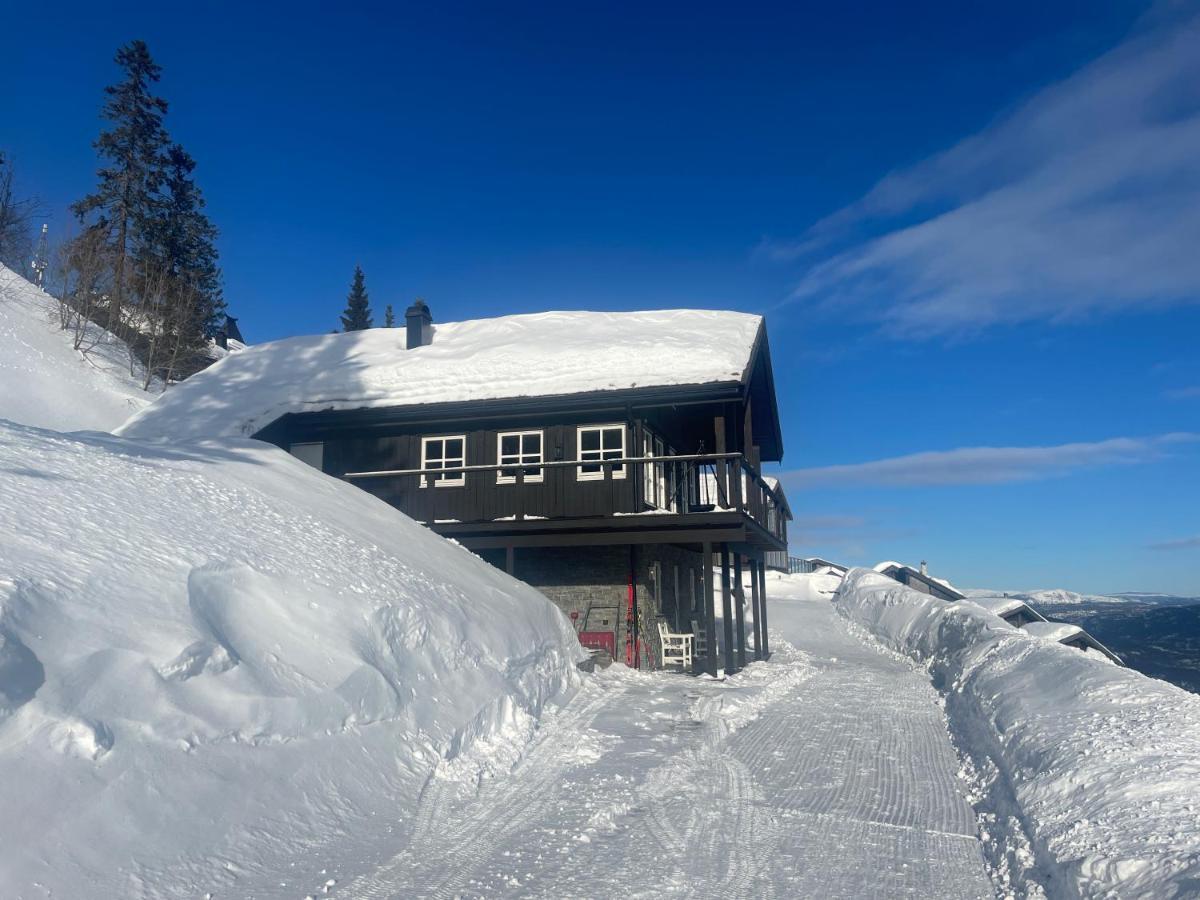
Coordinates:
[1092,770]
[45,381]
[214,659]
[542,354]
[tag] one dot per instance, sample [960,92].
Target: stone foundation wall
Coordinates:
[667,581]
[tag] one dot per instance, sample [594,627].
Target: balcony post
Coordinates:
[739,599]
[710,611]
[755,604]
[727,613]
[431,489]
[762,604]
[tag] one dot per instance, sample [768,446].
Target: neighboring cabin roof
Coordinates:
[907,574]
[1003,606]
[534,355]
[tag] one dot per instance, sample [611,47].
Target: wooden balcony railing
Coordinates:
[564,489]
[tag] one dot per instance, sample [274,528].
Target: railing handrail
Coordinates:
[757,476]
[548,464]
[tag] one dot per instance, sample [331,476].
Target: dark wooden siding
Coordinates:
[375,440]
[482,498]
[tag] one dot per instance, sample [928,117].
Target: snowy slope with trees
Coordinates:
[1088,774]
[46,381]
[214,659]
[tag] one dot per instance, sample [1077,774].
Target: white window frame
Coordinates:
[598,475]
[304,456]
[656,487]
[523,460]
[450,480]
[648,483]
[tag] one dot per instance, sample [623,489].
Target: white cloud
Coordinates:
[988,465]
[1188,543]
[1185,393]
[1084,200]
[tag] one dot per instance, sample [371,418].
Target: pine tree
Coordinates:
[357,316]
[389,318]
[178,281]
[125,197]
[183,241]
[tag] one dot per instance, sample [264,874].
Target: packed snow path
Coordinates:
[825,772]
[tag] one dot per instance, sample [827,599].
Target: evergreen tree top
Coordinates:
[135,142]
[357,316]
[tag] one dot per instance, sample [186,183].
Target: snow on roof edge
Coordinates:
[551,354]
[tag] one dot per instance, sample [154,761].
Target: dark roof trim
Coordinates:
[467,410]
[771,444]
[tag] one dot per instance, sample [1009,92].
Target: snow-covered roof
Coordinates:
[533,355]
[1003,606]
[1054,631]
[887,566]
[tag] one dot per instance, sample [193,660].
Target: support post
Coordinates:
[721,470]
[727,613]
[756,605]
[762,604]
[739,600]
[710,613]
[510,560]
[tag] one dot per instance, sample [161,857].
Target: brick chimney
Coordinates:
[419,323]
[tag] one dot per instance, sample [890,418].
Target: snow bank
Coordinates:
[45,381]
[214,659]
[544,354]
[1090,769]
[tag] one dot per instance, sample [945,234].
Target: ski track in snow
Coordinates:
[825,772]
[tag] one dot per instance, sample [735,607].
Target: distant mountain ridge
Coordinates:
[1063,597]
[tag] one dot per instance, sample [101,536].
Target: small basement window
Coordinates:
[444,453]
[312,453]
[518,449]
[597,442]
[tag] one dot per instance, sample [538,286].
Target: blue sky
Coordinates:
[974,231]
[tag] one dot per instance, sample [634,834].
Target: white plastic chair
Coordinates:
[676,648]
[699,639]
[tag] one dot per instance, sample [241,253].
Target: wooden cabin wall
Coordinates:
[687,429]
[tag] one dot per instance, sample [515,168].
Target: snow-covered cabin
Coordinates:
[597,456]
[1071,636]
[919,580]
[1013,610]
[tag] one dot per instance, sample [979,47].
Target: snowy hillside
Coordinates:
[1087,774]
[214,659]
[45,381]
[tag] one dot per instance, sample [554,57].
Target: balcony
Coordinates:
[619,493]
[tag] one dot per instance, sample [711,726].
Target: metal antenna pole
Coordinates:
[39,259]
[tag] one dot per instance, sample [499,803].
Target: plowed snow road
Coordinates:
[826,772]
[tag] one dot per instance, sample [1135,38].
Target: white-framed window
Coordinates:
[657,488]
[597,442]
[671,480]
[444,452]
[647,468]
[519,449]
[312,453]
